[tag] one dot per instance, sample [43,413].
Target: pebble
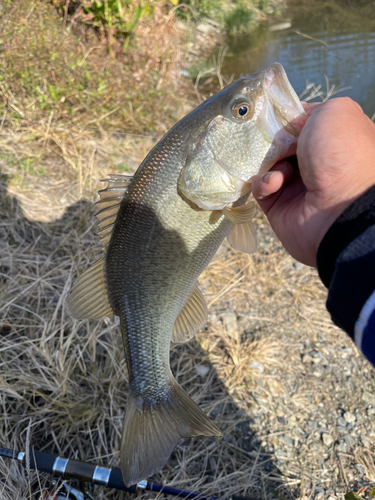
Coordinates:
[349,440]
[306,358]
[327,439]
[369,398]
[312,425]
[202,370]
[341,422]
[257,366]
[231,324]
[298,265]
[205,28]
[341,447]
[349,417]
[287,440]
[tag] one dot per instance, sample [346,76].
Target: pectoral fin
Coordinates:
[241,214]
[191,319]
[243,237]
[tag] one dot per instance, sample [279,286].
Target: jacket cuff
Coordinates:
[345,261]
[350,224]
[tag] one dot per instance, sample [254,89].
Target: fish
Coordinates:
[159,230]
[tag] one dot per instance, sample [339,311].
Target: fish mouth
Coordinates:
[287,108]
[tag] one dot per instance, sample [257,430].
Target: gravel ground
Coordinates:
[313,412]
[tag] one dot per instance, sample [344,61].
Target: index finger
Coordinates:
[309,106]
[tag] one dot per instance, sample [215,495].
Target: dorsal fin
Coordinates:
[88,297]
[109,204]
[191,318]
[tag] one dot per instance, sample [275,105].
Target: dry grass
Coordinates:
[68,76]
[53,165]
[64,382]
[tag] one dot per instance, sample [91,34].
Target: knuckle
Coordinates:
[344,104]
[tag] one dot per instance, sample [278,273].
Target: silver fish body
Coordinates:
[161,236]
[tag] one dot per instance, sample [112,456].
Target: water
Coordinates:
[348,59]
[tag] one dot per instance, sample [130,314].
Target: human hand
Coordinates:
[336,160]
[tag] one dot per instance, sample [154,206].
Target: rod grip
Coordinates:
[74,469]
[116,482]
[39,460]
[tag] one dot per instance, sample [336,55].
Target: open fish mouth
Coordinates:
[285,104]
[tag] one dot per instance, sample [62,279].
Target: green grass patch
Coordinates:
[68,75]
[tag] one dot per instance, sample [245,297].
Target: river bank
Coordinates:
[291,394]
[63,87]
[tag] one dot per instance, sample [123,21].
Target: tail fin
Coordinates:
[152,430]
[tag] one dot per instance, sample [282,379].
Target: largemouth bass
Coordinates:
[160,229]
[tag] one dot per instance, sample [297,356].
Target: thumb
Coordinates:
[267,188]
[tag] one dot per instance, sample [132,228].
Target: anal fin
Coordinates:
[192,317]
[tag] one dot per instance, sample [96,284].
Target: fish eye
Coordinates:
[242,110]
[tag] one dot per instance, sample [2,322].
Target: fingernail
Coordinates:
[267,177]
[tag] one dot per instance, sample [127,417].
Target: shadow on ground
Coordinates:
[64,383]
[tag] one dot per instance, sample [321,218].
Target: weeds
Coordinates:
[114,19]
[239,20]
[234,17]
[71,78]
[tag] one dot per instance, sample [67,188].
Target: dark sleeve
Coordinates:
[346,265]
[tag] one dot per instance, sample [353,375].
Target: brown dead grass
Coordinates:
[63,383]
[67,77]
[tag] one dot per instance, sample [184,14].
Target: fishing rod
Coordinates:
[95,474]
